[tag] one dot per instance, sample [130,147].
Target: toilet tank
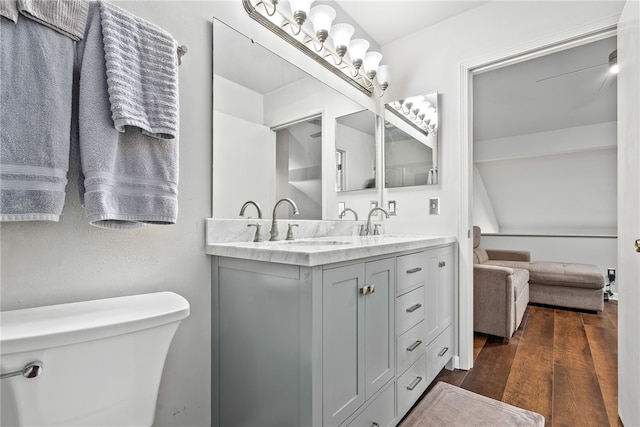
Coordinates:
[102,360]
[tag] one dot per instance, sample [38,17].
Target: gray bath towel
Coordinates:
[130,178]
[36,78]
[67,17]
[9,9]
[142,73]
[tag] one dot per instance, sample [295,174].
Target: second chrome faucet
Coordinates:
[274,223]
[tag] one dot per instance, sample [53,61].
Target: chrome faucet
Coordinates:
[344,211]
[251,202]
[367,230]
[274,223]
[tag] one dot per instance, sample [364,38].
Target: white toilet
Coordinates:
[92,363]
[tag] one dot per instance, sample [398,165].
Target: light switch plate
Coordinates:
[341,206]
[393,209]
[434,206]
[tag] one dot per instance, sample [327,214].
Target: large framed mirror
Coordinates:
[275,132]
[411,141]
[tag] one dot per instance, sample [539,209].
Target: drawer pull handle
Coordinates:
[414,383]
[414,270]
[413,308]
[414,345]
[443,351]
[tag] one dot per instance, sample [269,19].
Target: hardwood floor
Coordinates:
[560,363]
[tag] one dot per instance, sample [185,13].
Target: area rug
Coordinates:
[448,405]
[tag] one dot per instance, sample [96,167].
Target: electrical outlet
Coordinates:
[434,206]
[611,273]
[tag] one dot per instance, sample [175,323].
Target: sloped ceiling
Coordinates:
[545,142]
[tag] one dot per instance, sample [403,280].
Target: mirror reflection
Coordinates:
[273,125]
[356,151]
[410,141]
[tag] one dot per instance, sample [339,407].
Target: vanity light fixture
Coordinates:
[613,62]
[417,112]
[311,30]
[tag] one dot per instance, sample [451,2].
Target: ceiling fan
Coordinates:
[609,75]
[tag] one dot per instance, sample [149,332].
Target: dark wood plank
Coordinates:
[604,349]
[491,368]
[577,400]
[571,347]
[530,383]
[455,377]
[540,327]
[479,340]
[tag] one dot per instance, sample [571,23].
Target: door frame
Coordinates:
[553,43]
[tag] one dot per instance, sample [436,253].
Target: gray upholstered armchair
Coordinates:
[500,294]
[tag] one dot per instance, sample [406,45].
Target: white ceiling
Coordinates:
[566,89]
[386,21]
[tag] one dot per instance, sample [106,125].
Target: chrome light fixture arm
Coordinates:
[350,71]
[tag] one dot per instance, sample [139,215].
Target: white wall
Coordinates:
[557,182]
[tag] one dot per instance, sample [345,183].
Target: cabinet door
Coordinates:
[379,325]
[446,287]
[343,340]
[432,295]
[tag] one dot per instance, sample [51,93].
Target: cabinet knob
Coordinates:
[367,289]
[375,424]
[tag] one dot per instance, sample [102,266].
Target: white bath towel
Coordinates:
[142,73]
[68,17]
[36,80]
[130,178]
[9,9]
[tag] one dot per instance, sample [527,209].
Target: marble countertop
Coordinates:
[324,250]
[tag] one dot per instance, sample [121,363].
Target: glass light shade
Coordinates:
[322,17]
[358,49]
[613,69]
[371,61]
[415,101]
[384,74]
[341,34]
[300,5]
[424,106]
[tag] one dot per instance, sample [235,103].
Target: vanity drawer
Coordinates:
[411,385]
[439,352]
[381,412]
[409,310]
[410,272]
[410,346]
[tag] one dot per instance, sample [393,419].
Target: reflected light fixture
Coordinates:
[613,62]
[311,30]
[417,111]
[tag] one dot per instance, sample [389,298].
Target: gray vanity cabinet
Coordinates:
[348,344]
[358,335]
